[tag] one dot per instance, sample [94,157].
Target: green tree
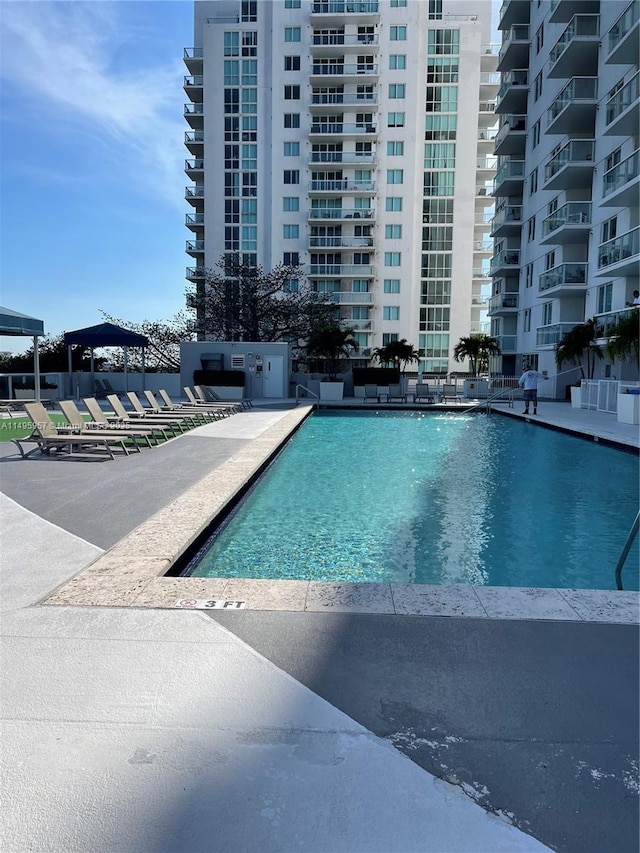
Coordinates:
[477,349]
[397,353]
[242,302]
[165,336]
[624,338]
[331,344]
[53,356]
[578,346]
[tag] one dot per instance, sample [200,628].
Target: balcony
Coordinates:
[502,303]
[195,274]
[195,195]
[572,167]
[606,322]
[622,111]
[507,221]
[514,52]
[483,247]
[505,263]
[487,134]
[332,213]
[510,179]
[486,164]
[336,11]
[326,100]
[342,71]
[512,136]
[574,110]
[359,325]
[342,129]
[339,43]
[489,85]
[342,186]
[194,168]
[564,280]
[564,10]
[512,95]
[194,141]
[341,270]
[507,343]
[575,54]
[343,297]
[549,336]
[483,195]
[621,185]
[193,87]
[192,57]
[513,12]
[486,113]
[570,223]
[194,221]
[623,39]
[340,242]
[620,256]
[194,115]
[345,157]
[480,274]
[195,247]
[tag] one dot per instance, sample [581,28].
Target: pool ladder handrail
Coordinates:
[625,551]
[307,391]
[490,399]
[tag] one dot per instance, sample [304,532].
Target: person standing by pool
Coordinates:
[529,381]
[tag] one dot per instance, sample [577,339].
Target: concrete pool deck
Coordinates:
[132,728]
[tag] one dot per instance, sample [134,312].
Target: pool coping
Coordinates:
[133,573]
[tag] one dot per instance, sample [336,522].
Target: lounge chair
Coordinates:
[183,420]
[225,408]
[395,393]
[449,392]
[133,428]
[371,393]
[46,437]
[77,422]
[125,416]
[200,415]
[208,413]
[206,393]
[423,392]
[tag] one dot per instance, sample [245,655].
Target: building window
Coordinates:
[249,157]
[549,260]
[292,119]
[439,155]
[250,43]
[539,38]
[290,285]
[292,34]
[291,203]
[537,87]
[292,63]
[395,149]
[440,126]
[531,229]
[249,11]
[396,4]
[396,90]
[437,238]
[388,338]
[232,44]
[291,4]
[249,101]
[438,183]
[290,232]
[395,176]
[395,119]
[291,176]
[232,72]
[398,33]
[435,10]
[249,210]
[360,285]
[390,312]
[605,298]
[291,259]
[393,203]
[393,232]
[547,313]
[397,62]
[392,259]
[437,210]
[442,69]
[535,135]
[443,42]
[526,321]
[249,72]
[291,149]
[292,93]
[442,99]
[533,182]
[391,285]
[609,229]
[528,275]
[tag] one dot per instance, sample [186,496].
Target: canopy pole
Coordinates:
[70,363]
[144,384]
[126,378]
[36,367]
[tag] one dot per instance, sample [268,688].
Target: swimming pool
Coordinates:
[425,498]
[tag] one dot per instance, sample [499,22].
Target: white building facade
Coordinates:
[353,137]
[566,225]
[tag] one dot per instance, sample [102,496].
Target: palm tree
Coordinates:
[398,353]
[332,344]
[579,347]
[624,338]
[477,348]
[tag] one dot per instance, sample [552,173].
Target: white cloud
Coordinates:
[68,62]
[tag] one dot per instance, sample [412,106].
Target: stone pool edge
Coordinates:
[133,572]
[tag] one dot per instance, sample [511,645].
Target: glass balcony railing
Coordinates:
[341,213]
[364,270]
[195,245]
[191,165]
[193,109]
[605,322]
[575,151]
[507,343]
[343,128]
[342,186]
[513,169]
[194,192]
[551,335]
[519,78]
[339,98]
[579,27]
[564,274]
[194,219]
[510,214]
[622,100]
[510,124]
[621,174]
[340,39]
[351,7]
[351,157]
[335,242]
[342,70]
[578,88]
[619,249]
[572,213]
[502,301]
[625,23]
[509,258]
[194,136]
[519,32]
[191,80]
[193,53]
[195,272]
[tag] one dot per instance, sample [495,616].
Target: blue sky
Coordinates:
[91,169]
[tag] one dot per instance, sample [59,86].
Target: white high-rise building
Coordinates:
[566,226]
[353,136]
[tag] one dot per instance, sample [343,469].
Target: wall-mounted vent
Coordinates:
[237,362]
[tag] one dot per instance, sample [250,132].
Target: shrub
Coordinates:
[375,375]
[30,385]
[222,378]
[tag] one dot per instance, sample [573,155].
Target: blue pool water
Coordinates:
[409,497]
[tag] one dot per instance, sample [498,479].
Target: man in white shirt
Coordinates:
[636,299]
[529,381]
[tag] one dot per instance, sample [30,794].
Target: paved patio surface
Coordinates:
[136,729]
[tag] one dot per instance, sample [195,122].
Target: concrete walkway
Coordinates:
[158,731]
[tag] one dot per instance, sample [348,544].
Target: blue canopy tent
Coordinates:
[21,325]
[105,335]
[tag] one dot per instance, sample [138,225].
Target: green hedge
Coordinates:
[223,378]
[375,375]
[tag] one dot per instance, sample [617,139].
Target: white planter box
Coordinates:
[30,394]
[331,391]
[475,388]
[576,397]
[227,393]
[629,408]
